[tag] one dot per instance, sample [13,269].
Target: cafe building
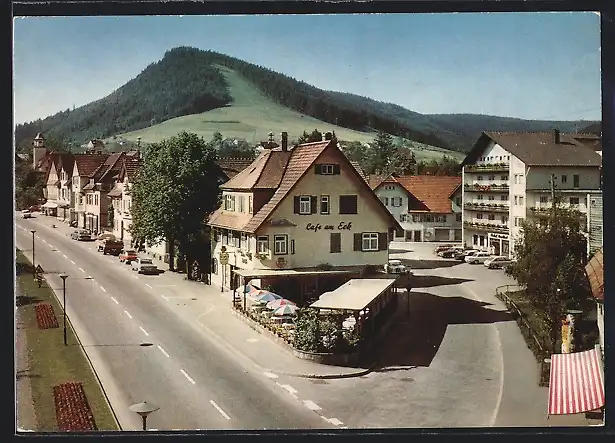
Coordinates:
[300,219]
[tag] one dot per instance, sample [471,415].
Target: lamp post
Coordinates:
[33,255]
[64,277]
[144,409]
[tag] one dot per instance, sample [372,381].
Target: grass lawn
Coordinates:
[52,363]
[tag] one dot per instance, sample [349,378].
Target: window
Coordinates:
[400,201]
[521,200]
[225,234]
[335,242]
[491,217]
[248,242]
[403,217]
[503,197]
[504,178]
[386,201]
[305,204]
[416,218]
[492,197]
[262,244]
[96,199]
[518,221]
[575,180]
[348,204]
[482,240]
[574,201]
[479,178]
[479,216]
[218,235]
[280,244]
[369,241]
[475,239]
[479,196]
[292,246]
[240,203]
[458,201]
[250,204]
[230,203]
[505,219]
[326,169]
[492,177]
[324,204]
[518,179]
[458,217]
[564,179]
[242,239]
[427,218]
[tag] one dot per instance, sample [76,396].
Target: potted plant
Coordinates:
[261,255]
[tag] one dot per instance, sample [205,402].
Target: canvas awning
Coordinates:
[576,383]
[50,205]
[355,294]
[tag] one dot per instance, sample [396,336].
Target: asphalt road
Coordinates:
[196,383]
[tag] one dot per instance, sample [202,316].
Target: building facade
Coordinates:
[121,199]
[511,177]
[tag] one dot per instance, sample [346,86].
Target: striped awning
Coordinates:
[576,383]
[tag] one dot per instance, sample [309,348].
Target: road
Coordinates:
[144,348]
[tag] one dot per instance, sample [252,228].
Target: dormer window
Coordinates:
[229,203]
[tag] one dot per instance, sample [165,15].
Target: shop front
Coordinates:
[499,244]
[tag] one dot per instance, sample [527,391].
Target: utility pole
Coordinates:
[553,195]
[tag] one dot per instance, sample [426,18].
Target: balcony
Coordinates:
[492,187]
[486,227]
[487,207]
[487,167]
[548,211]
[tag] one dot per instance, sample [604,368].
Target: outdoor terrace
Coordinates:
[491,227]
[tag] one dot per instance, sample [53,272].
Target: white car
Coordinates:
[144,266]
[498,262]
[396,267]
[26,214]
[478,257]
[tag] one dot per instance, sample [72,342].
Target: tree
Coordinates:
[236,148]
[551,256]
[383,153]
[111,216]
[175,190]
[404,162]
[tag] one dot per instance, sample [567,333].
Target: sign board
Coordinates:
[224,258]
[39,269]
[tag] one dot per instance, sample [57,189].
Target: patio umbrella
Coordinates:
[267,296]
[251,289]
[275,304]
[285,310]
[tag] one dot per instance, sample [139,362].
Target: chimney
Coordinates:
[556,137]
[284,141]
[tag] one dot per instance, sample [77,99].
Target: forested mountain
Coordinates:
[188,81]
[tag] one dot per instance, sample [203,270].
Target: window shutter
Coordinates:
[358,241]
[383,241]
[317,169]
[335,242]
[337,169]
[297,204]
[314,204]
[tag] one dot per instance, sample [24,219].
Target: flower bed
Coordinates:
[45,316]
[73,412]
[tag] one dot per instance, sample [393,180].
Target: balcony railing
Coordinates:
[486,167]
[488,207]
[475,187]
[486,226]
[546,212]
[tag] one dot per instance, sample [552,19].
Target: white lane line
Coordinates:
[127,313]
[136,276]
[148,286]
[251,340]
[334,421]
[289,388]
[72,262]
[270,375]
[102,289]
[51,246]
[187,376]
[165,297]
[81,269]
[116,302]
[311,405]
[224,414]
[64,255]
[163,351]
[144,331]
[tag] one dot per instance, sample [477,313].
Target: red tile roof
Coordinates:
[265,172]
[377,179]
[432,191]
[88,163]
[595,274]
[232,166]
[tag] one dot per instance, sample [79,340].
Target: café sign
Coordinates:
[342,226]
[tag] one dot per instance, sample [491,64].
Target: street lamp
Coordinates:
[64,277]
[144,409]
[33,256]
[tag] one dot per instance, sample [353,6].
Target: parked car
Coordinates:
[396,267]
[26,214]
[81,235]
[128,255]
[34,208]
[450,253]
[443,248]
[144,266]
[477,257]
[110,246]
[498,262]
[463,254]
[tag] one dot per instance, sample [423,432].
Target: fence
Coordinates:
[536,345]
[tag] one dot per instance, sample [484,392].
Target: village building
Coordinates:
[302,210]
[595,274]
[428,207]
[512,176]
[83,167]
[121,198]
[56,205]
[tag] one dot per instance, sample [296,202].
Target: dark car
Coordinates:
[463,254]
[450,253]
[81,235]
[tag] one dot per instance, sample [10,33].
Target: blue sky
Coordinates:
[526,65]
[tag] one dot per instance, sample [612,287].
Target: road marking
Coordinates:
[289,388]
[144,331]
[164,296]
[187,376]
[102,289]
[51,246]
[116,302]
[224,414]
[64,255]
[127,313]
[311,405]
[334,421]
[136,276]
[81,269]
[270,375]
[251,340]
[148,286]
[72,262]
[163,351]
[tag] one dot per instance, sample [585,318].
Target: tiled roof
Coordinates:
[272,174]
[595,274]
[228,219]
[115,192]
[88,163]
[231,166]
[592,141]
[131,166]
[376,180]
[67,161]
[111,167]
[540,149]
[359,169]
[265,171]
[431,191]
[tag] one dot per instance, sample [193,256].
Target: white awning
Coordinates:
[50,205]
[355,294]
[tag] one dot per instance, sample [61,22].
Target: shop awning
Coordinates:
[576,383]
[50,205]
[355,294]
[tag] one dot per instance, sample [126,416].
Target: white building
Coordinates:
[511,176]
[427,207]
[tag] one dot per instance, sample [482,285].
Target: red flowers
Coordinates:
[73,412]
[45,317]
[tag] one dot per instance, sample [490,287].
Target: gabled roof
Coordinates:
[129,168]
[265,172]
[232,166]
[539,148]
[376,180]
[595,274]
[359,169]
[431,191]
[458,187]
[111,167]
[66,161]
[88,163]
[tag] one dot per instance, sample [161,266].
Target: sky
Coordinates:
[526,65]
